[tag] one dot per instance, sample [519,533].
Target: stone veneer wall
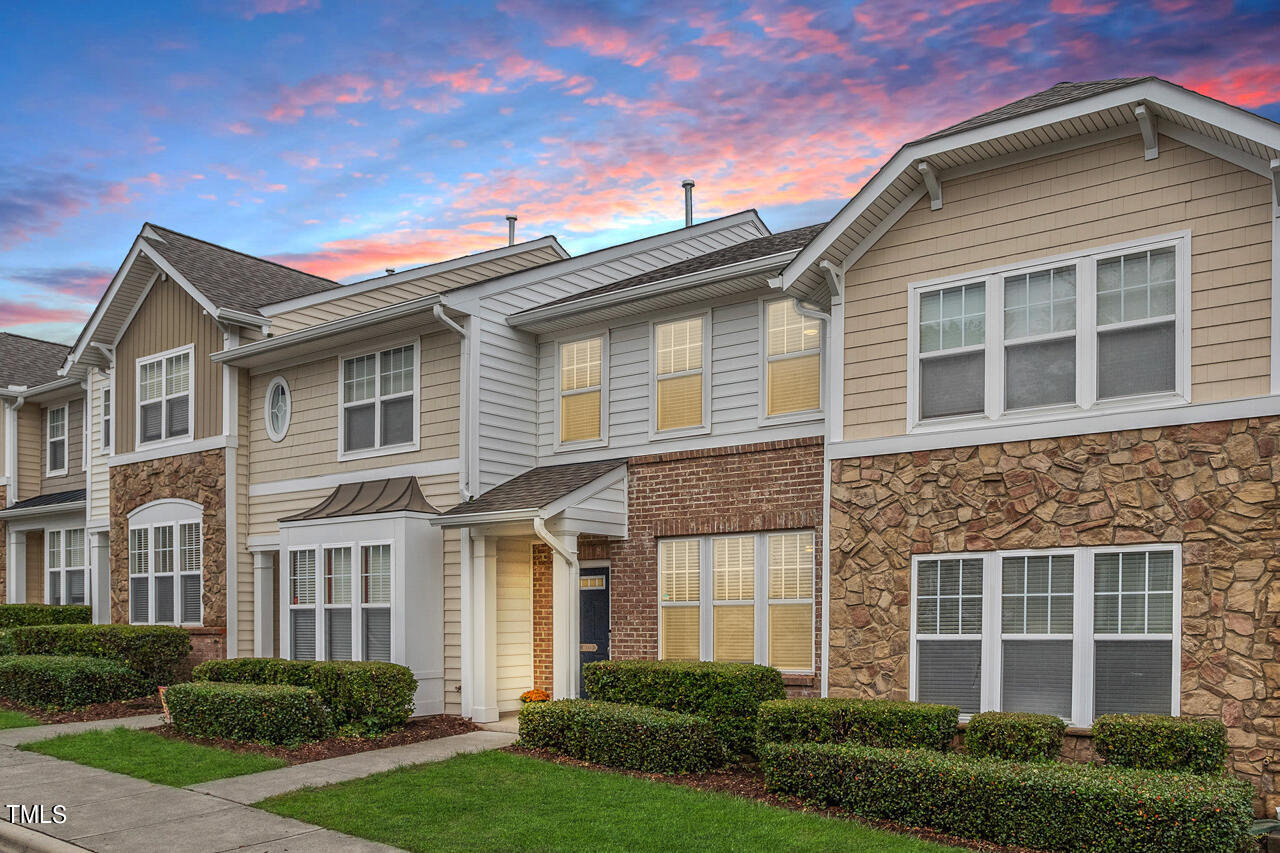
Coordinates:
[1209,486]
[198,477]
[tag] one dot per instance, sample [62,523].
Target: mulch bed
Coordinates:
[101,711]
[748,782]
[417,730]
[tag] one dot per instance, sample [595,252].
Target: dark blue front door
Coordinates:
[593,616]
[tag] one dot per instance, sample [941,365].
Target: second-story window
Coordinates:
[379,393]
[56,438]
[581,384]
[164,398]
[793,360]
[1137,325]
[952,359]
[106,419]
[678,356]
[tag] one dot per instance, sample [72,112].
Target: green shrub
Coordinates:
[728,694]
[47,681]
[626,736]
[16,615]
[152,651]
[870,722]
[363,697]
[6,641]
[258,713]
[1039,805]
[1155,742]
[1014,736]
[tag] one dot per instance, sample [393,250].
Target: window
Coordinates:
[106,419]
[56,438]
[581,390]
[1077,332]
[379,400]
[350,618]
[745,598]
[793,360]
[337,604]
[65,566]
[302,600]
[277,409]
[164,397]
[166,580]
[375,601]
[1075,632]
[678,356]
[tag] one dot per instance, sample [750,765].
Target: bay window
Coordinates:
[375,601]
[679,382]
[793,360]
[166,579]
[379,401]
[56,441]
[65,566]
[164,397]
[335,613]
[581,380]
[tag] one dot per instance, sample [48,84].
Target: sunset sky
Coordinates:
[345,137]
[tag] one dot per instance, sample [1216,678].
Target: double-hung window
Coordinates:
[339,602]
[581,390]
[164,397]
[952,336]
[375,601]
[166,580]
[106,420]
[65,566]
[56,441]
[743,598]
[679,352]
[379,401]
[793,360]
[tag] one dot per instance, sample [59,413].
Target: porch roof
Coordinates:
[543,492]
[371,497]
[53,502]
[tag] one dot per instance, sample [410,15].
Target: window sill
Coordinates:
[373,453]
[807,416]
[163,442]
[59,473]
[683,432]
[1118,406]
[570,446]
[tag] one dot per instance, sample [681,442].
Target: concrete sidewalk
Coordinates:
[30,734]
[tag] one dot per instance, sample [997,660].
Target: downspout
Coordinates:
[11,449]
[835,431]
[464,391]
[549,539]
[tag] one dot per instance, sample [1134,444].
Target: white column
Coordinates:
[16,568]
[566,635]
[100,577]
[479,609]
[264,602]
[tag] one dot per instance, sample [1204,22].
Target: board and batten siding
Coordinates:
[167,319]
[1076,201]
[513,653]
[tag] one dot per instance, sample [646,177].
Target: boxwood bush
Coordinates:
[56,682]
[14,615]
[1014,736]
[152,651]
[728,694]
[1155,742]
[631,737]
[870,722]
[364,698]
[258,713]
[1039,805]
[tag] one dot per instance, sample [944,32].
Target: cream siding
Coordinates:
[98,486]
[245,587]
[514,621]
[74,478]
[1076,201]
[35,567]
[4,422]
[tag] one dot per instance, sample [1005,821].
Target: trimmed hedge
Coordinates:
[869,722]
[259,713]
[363,697]
[1014,736]
[152,651]
[626,736]
[15,615]
[6,641]
[1038,805]
[47,681]
[728,694]
[1155,742]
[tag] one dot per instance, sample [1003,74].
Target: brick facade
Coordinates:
[542,624]
[1210,487]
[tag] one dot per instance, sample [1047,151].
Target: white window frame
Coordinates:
[175,523]
[706,371]
[108,434]
[1086,331]
[357,596]
[377,400]
[603,440]
[277,435]
[761,602]
[63,564]
[357,605]
[1082,636]
[49,440]
[165,440]
[763,416]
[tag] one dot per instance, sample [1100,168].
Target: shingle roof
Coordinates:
[29,361]
[1061,93]
[537,487]
[760,247]
[231,279]
[397,494]
[52,500]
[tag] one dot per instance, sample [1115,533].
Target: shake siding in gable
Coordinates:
[1077,201]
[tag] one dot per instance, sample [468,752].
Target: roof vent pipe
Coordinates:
[687,183]
[511,230]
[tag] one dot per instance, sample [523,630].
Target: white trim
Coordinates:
[231,494]
[65,438]
[99,312]
[165,510]
[277,435]
[808,428]
[377,400]
[10,454]
[151,517]
[165,440]
[763,418]
[1275,290]
[330,481]
[161,451]
[64,564]
[9,515]
[156,276]
[704,371]
[603,388]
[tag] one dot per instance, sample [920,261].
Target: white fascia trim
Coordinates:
[53,509]
[478,518]
[332,481]
[550,510]
[199,445]
[232,317]
[1174,414]
[350,519]
[90,328]
[179,280]
[43,393]
[548,241]
[815,426]
[599,484]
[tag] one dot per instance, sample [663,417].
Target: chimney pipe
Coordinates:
[511,230]
[687,183]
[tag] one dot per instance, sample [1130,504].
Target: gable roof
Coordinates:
[29,361]
[536,488]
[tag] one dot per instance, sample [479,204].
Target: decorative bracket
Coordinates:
[1275,182]
[932,183]
[1147,124]
[834,276]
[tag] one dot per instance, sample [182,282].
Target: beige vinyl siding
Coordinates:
[99,480]
[74,478]
[1076,201]
[30,456]
[168,318]
[346,305]
[245,591]
[514,621]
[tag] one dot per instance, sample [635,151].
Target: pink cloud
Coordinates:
[26,313]
[240,128]
[321,95]
[250,9]
[83,283]
[1251,87]
[600,39]
[795,24]
[339,259]
[1080,7]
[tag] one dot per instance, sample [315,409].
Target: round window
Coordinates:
[277,408]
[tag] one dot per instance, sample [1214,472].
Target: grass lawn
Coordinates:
[16,720]
[499,801]
[148,756]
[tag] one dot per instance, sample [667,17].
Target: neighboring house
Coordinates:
[1053,470]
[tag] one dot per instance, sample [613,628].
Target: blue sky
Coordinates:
[345,137]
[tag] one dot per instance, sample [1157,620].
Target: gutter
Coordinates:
[464,393]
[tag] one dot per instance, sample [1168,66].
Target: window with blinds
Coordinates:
[166,577]
[733,574]
[302,600]
[680,585]
[949,632]
[340,602]
[581,390]
[952,337]
[379,400]
[678,357]
[793,360]
[337,604]
[164,397]
[1137,323]
[375,597]
[56,440]
[1040,338]
[1037,601]
[1133,594]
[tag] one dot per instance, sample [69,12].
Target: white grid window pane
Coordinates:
[163,550]
[1138,286]
[790,565]
[302,577]
[358,427]
[377,633]
[337,576]
[679,569]
[1037,594]
[55,549]
[953,318]
[949,597]
[189,546]
[733,568]
[75,547]
[1040,303]
[397,421]
[376,574]
[397,371]
[359,378]
[1133,592]
[57,422]
[139,552]
[177,374]
[54,581]
[952,385]
[679,346]
[580,365]
[75,586]
[302,634]
[151,380]
[789,331]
